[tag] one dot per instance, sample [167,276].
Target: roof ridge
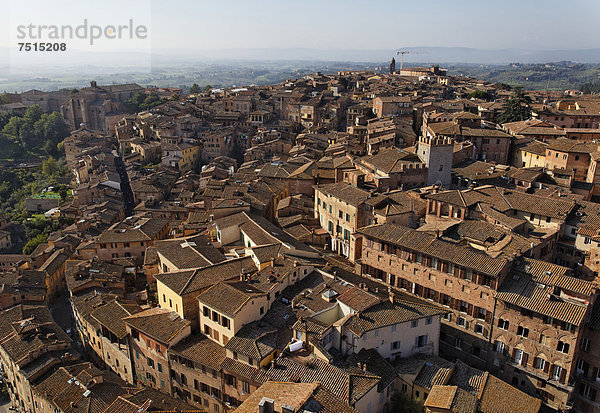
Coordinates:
[192,276]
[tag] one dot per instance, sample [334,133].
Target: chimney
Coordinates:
[93,83]
[364,366]
[266,405]
[286,408]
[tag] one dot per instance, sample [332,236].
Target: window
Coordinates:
[245,387]
[587,241]
[499,347]
[428,320]
[539,363]
[458,343]
[461,321]
[586,391]
[421,341]
[341,214]
[586,343]
[557,372]
[548,219]
[395,345]
[543,340]
[159,366]
[150,362]
[464,306]
[347,217]
[478,328]
[563,347]
[518,356]
[522,331]
[503,324]
[414,323]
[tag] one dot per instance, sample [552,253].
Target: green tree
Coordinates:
[13,127]
[4,118]
[516,107]
[195,88]
[34,242]
[4,98]
[479,94]
[133,103]
[50,167]
[207,88]
[401,403]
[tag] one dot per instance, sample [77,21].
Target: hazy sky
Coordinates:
[330,24]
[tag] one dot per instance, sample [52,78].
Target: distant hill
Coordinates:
[441,55]
[416,54]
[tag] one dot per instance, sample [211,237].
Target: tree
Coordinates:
[195,88]
[401,403]
[480,94]
[517,107]
[4,98]
[50,167]
[34,242]
[207,88]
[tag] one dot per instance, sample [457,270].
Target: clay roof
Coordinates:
[428,244]
[160,324]
[200,349]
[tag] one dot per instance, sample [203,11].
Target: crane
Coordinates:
[402,53]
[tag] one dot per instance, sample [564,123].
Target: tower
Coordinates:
[392,66]
[436,154]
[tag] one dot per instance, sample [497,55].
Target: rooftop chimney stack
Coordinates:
[266,405]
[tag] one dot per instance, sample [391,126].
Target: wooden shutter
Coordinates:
[524,361]
[547,367]
[470,309]
[563,375]
[488,316]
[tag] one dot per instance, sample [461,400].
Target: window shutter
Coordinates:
[470,309]
[546,367]
[514,354]
[563,375]
[524,361]
[488,317]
